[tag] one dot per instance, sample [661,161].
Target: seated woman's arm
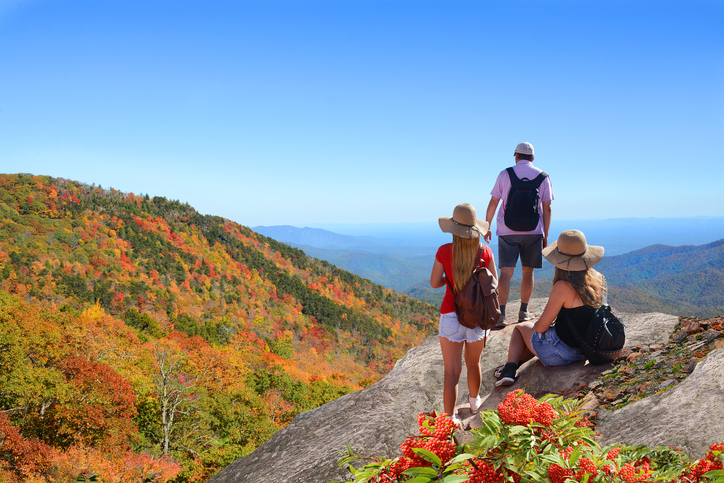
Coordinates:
[559,294]
[437,277]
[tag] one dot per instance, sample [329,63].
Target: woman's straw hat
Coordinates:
[464,222]
[571,252]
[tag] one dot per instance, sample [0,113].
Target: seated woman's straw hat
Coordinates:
[571,252]
[464,222]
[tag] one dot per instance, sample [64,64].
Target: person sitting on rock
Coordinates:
[454,263]
[576,294]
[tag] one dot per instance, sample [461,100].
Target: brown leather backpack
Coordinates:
[476,305]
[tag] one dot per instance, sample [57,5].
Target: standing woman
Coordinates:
[454,262]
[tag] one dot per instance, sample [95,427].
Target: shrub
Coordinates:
[527,440]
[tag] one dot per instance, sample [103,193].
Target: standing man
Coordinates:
[521,225]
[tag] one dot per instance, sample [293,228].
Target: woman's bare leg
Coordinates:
[472,363]
[452,360]
[521,348]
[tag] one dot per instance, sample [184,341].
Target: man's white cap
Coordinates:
[524,148]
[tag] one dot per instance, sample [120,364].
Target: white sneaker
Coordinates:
[456,419]
[475,403]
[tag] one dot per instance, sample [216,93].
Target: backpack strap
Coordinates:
[537,181]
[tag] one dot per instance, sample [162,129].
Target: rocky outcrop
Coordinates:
[377,419]
[689,416]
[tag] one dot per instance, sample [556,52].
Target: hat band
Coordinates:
[571,257]
[467,226]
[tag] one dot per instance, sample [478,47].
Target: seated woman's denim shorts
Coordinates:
[552,351]
[451,329]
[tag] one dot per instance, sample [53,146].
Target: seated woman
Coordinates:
[576,294]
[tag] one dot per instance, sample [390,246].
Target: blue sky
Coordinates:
[358,111]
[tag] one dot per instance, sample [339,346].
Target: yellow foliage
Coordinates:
[94,312]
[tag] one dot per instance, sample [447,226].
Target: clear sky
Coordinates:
[356,111]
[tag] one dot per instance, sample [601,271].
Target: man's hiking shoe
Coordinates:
[507,375]
[525,316]
[500,324]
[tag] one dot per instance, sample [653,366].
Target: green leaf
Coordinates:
[573,459]
[517,429]
[461,457]
[420,471]
[428,455]
[419,479]
[716,476]
[455,479]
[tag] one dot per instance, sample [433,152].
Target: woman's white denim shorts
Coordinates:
[451,329]
[552,351]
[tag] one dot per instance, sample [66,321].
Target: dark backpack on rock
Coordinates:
[476,305]
[521,208]
[603,340]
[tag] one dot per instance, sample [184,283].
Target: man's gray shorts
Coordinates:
[529,247]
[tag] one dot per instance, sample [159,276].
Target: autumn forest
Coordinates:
[143,341]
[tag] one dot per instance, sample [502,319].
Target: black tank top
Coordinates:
[580,317]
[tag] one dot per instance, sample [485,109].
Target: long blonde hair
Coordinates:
[586,283]
[464,259]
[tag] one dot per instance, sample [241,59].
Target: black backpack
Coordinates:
[603,340]
[476,304]
[521,209]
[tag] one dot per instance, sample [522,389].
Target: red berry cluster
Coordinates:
[613,453]
[519,408]
[587,467]
[435,435]
[558,474]
[480,471]
[709,463]
[627,473]
[436,426]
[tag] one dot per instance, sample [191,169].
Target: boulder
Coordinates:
[377,419]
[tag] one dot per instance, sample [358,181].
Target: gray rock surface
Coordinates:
[689,416]
[377,419]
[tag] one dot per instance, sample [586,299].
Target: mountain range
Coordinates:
[683,280]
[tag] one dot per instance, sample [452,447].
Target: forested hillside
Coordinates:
[140,339]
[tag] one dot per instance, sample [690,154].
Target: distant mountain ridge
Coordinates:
[680,280]
[315,237]
[683,280]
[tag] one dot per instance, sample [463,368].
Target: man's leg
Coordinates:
[506,273]
[526,285]
[530,258]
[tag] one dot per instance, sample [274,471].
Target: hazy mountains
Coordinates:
[685,280]
[381,260]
